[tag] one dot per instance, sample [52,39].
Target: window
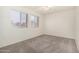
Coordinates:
[19,18]
[34,21]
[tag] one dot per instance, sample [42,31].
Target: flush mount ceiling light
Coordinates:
[46,8]
[49,6]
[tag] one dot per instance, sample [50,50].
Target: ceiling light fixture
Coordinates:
[49,6]
[45,8]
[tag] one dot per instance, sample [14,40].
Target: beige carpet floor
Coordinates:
[42,44]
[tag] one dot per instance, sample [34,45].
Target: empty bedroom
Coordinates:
[39,29]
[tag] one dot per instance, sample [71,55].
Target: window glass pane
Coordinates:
[15,17]
[23,19]
[34,21]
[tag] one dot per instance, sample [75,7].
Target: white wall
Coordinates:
[0,29]
[1,34]
[77,27]
[12,34]
[60,24]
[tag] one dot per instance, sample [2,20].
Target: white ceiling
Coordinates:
[50,9]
